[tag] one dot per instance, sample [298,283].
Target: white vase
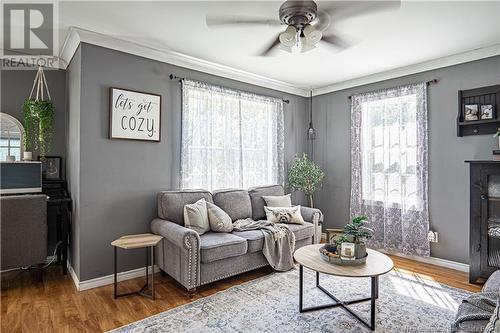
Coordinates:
[27,156]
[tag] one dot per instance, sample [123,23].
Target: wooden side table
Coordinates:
[136,242]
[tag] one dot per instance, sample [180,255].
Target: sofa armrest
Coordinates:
[315,216]
[179,252]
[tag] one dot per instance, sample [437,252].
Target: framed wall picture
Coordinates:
[134,115]
[471,112]
[487,111]
[51,167]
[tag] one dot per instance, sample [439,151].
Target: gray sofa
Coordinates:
[491,285]
[195,260]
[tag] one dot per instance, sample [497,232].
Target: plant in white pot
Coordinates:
[358,232]
[305,176]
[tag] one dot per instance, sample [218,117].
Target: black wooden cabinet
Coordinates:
[484,244]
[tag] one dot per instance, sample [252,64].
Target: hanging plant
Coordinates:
[38,126]
[38,118]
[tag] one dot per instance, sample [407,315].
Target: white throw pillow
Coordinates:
[196,217]
[284,215]
[278,200]
[219,220]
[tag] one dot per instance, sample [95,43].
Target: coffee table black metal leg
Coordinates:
[343,304]
[115,273]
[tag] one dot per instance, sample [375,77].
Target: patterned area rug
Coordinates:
[270,304]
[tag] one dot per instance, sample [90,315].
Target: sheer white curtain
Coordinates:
[390,168]
[230,138]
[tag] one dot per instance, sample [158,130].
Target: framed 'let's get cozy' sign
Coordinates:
[134,115]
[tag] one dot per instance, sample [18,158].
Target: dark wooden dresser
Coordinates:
[484,244]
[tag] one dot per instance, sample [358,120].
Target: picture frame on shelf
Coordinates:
[487,111]
[51,167]
[471,112]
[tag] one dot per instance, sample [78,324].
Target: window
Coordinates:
[11,137]
[389,151]
[389,167]
[230,139]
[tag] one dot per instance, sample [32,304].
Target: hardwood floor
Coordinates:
[54,305]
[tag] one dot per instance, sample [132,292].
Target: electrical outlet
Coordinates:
[432,236]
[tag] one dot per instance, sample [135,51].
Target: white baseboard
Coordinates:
[108,279]
[428,260]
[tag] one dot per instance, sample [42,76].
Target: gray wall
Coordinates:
[15,89]
[118,179]
[73,81]
[448,174]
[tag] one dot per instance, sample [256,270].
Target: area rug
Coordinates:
[270,304]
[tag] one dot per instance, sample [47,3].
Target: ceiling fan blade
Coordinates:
[270,47]
[322,21]
[239,21]
[336,41]
[339,10]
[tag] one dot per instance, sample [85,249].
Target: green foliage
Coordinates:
[38,125]
[356,229]
[305,176]
[339,239]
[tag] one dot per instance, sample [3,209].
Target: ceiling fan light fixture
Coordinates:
[305,46]
[289,36]
[312,35]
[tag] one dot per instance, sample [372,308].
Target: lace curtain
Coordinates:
[230,138]
[390,168]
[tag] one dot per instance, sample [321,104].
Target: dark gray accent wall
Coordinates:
[114,182]
[448,174]
[15,89]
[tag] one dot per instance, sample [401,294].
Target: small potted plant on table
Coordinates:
[358,232]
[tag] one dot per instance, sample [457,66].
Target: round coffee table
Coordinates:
[376,264]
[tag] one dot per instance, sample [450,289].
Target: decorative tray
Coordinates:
[335,259]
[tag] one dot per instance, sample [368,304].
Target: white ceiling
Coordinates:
[416,32]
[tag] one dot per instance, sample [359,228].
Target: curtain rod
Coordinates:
[433,81]
[173,77]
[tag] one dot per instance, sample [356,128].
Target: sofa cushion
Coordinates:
[255,238]
[258,202]
[302,231]
[216,246]
[171,203]
[236,203]
[493,283]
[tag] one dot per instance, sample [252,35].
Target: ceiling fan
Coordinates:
[307,25]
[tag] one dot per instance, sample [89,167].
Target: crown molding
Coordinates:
[78,35]
[451,60]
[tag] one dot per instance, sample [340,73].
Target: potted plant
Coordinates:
[305,176]
[38,114]
[358,232]
[38,126]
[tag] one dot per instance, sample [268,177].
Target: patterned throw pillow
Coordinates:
[219,220]
[278,200]
[494,325]
[284,214]
[196,217]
